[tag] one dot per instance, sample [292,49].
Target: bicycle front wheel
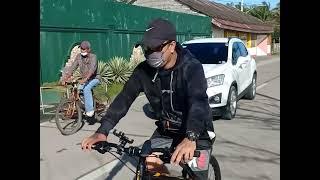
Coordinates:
[214,169]
[68,117]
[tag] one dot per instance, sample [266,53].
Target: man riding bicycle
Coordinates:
[175,85]
[87,62]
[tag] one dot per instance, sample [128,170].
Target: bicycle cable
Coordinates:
[122,162]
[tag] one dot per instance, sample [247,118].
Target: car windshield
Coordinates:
[209,53]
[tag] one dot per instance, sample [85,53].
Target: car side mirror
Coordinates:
[241,59]
[242,62]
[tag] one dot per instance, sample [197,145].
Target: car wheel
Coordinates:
[232,104]
[252,89]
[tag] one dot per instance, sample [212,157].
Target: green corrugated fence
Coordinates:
[112,28]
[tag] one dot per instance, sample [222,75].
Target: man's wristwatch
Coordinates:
[192,136]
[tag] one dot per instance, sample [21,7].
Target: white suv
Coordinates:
[230,72]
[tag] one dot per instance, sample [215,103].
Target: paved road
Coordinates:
[247,147]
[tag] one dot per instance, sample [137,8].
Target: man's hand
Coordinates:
[184,150]
[65,79]
[82,81]
[89,141]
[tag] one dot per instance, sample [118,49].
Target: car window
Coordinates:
[243,49]
[209,53]
[235,53]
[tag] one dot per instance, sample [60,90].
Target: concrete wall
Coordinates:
[263,48]
[262,41]
[217,32]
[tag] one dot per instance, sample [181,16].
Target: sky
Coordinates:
[273,3]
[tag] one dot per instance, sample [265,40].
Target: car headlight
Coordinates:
[215,80]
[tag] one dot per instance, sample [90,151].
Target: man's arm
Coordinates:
[198,113]
[199,109]
[121,104]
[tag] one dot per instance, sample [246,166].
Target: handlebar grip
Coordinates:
[99,146]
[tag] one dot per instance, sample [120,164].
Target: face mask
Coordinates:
[155,59]
[84,54]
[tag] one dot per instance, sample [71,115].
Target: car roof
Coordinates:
[209,40]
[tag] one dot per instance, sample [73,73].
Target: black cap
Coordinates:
[157,32]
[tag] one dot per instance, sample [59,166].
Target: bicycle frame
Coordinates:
[74,92]
[142,170]
[73,96]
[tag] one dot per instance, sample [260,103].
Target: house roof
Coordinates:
[228,17]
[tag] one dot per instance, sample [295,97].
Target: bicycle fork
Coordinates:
[187,171]
[141,168]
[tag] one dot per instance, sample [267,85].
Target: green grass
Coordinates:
[100,93]
[113,90]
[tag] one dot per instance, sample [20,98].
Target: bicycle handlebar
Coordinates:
[105,146]
[165,153]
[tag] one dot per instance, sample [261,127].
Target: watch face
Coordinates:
[192,136]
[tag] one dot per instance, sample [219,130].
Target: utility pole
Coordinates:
[242,5]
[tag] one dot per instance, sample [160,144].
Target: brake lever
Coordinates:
[101,147]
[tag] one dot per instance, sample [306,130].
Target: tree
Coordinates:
[262,12]
[230,4]
[276,13]
[238,6]
[266,14]
[276,19]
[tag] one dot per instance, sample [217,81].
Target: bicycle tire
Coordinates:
[76,122]
[216,169]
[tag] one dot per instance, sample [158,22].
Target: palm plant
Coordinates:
[120,69]
[117,70]
[262,12]
[103,71]
[105,75]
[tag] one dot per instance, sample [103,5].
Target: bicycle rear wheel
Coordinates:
[214,169]
[68,117]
